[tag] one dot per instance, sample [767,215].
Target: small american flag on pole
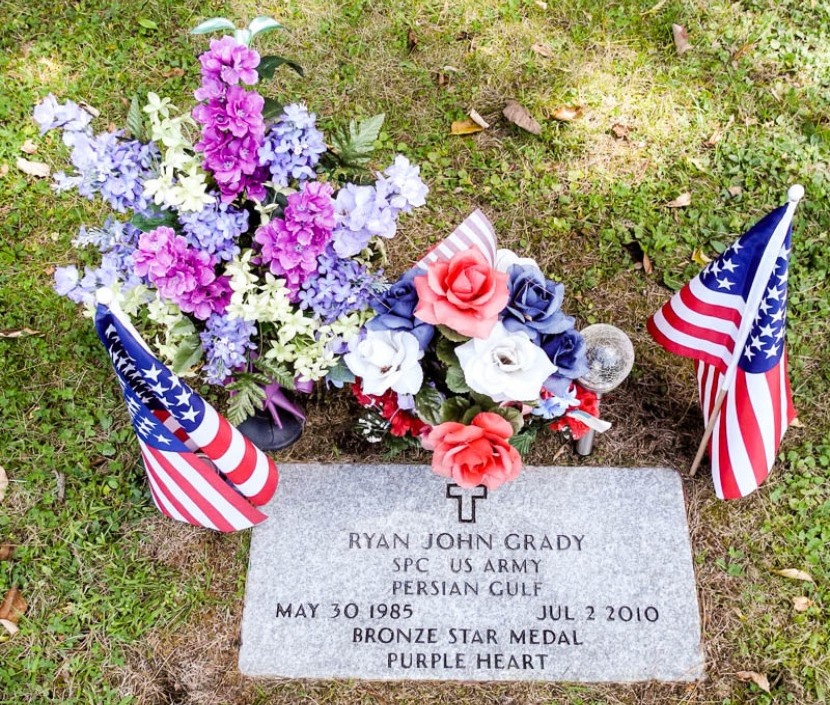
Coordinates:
[201,470]
[732,319]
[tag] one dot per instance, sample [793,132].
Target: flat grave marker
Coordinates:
[389,572]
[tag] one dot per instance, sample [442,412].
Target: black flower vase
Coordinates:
[267,435]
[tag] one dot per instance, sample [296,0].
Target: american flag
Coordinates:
[732,320]
[201,470]
[475,232]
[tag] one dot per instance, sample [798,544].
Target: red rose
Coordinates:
[473,455]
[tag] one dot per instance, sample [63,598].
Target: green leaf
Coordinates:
[445,350]
[450,334]
[156,218]
[523,442]
[428,403]
[135,120]
[214,24]
[269,64]
[243,37]
[147,24]
[272,109]
[482,400]
[277,372]
[261,24]
[249,396]
[355,148]
[455,380]
[514,416]
[454,409]
[340,374]
[470,414]
[188,354]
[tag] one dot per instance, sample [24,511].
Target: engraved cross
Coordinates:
[466,501]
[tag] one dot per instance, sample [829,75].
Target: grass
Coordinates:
[125,607]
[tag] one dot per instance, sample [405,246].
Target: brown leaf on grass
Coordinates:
[717,135]
[174,73]
[97,113]
[735,191]
[478,120]
[411,40]
[441,79]
[13,606]
[683,200]
[567,113]
[4,483]
[648,267]
[740,52]
[4,169]
[10,627]
[802,604]
[794,574]
[542,50]
[60,485]
[758,678]
[796,423]
[465,127]
[517,114]
[6,551]
[18,332]
[620,131]
[28,147]
[681,39]
[37,169]
[700,257]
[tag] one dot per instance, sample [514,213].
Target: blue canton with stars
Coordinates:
[733,273]
[148,386]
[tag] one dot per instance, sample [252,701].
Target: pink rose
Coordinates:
[473,455]
[464,293]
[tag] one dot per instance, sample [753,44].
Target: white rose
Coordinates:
[387,360]
[506,366]
[507,258]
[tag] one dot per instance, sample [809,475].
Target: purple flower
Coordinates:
[291,244]
[226,342]
[402,186]
[183,275]
[362,213]
[70,116]
[215,229]
[228,63]
[292,146]
[534,304]
[567,351]
[396,309]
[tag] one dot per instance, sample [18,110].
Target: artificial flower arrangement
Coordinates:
[249,243]
[470,354]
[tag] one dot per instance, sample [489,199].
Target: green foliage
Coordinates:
[278,372]
[248,396]
[153,218]
[523,441]
[455,380]
[354,148]
[445,350]
[511,414]
[428,402]
[135,120]
[454,408]
[451,335]
[269,64]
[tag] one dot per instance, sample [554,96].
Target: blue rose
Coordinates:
[395,309]
[567,351]
[534,304]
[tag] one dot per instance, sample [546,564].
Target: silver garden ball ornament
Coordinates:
[610,357]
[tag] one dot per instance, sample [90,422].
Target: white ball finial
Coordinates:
[796,193]
[104,296]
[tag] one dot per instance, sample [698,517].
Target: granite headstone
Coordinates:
[391,572]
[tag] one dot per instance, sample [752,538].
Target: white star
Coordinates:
[190,415]
[175,382]
[785,275]
[774,293]
[736,246]
[184,398]
[778,315]
[153,373]
[773,351]
[110,330]
[749,354]
[785,252]
[715,268]
[729,265]
[725,284]
[765,306]
[756,342]
[163,439]
[767,331]
[158,389]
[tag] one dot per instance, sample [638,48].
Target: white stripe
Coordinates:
[706,390]
[206,431]
[690,341]
[761,400]
[230,513]
[716,298]
[715,455]
[782,367]
[174,490]
[258,478]
[161,501]
[701,320]
[229,460]
[738,456]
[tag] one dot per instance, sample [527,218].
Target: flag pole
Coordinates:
[756,294]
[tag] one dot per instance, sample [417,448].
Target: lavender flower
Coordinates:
[226,342]
[215,229]
[402,186]
[291,244]
[292,146]
[70,116]
[339,287]
[228,63]
[362,213]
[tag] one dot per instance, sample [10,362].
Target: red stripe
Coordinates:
[682,350]
[752,427]
[246,465]
[169,497]
[729,486]
[209,510]
[685,326]
[269,488]
[221,441]
[726,313]
[791,412]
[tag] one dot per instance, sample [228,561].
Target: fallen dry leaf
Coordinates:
[743,50]
[28,147]
[174,73]
[567,113]
[97,113]
[38,169]
[802,604]
[794,574]
[10,627]
[517,114]
[60,485]
[648,267]
[699,257]
[796,423]
[441,79]
[541,4]
[465,127]
[411,40]
[4,169]
[542,50]
[758,678]
[6,551]
[735,191]
[681,39]
[717,135]
[620,131]
[13,606]
[683,200]
[478,120]
[4,483]
[18,332]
